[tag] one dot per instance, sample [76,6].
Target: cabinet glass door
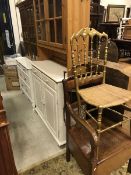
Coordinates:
[59,30]
[55,20]
[43,32]
[49,21]
[40,19]
[58,5]
[51,8]
[42,13]
[52,31]
[39,30]
[37,10]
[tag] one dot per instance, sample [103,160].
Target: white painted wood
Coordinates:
[25,77]
[24,62]
[116,2]
[37,86]
[48,96]
[51,108]
[51,69]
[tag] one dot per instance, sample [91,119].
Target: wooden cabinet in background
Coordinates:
[96,14]
[28,28]
[56,21]
[7,165]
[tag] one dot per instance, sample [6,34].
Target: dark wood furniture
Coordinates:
[7,164]
[28,28]
[127,32]
[109,28]
[82,139]
[96,14]
[124,47]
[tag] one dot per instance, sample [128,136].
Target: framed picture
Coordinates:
[128,12]
[115,12]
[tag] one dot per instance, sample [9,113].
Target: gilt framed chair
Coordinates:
[97,140]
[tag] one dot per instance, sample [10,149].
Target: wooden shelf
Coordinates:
[96,14]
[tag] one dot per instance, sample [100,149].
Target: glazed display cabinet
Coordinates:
[56,21]
[97,14]
[28,28]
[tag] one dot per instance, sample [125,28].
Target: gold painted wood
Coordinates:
[86,64]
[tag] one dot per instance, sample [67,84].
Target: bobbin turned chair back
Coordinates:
[85,53]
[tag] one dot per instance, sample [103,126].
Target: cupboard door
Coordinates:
[43,102]
[51,108]
[37,93]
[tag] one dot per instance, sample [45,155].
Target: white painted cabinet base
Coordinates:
[48,97]
[24,67]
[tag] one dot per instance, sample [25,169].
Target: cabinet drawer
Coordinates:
[28,92]
[26,79]
[23,76]
[36,72]
[48,81]
[25,70]
[20,72]
[25,88]
[21,84]
[20,66]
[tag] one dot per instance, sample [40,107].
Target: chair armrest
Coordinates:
[89,129]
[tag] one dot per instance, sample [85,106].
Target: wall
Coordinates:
[120,2]
[16,23]
[127,3]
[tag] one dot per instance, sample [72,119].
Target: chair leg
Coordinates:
[67,154]
[129,166]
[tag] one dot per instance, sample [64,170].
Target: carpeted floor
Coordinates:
[59,166]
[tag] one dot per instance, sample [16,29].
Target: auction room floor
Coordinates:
[31,140]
